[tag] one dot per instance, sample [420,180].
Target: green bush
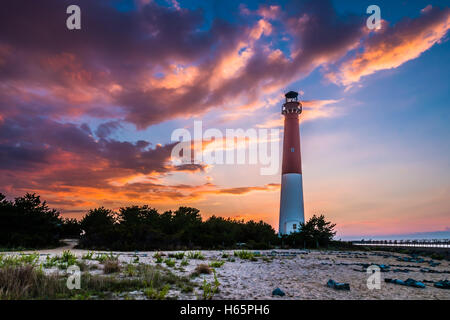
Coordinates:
[196,255]
[102,257]
[178,255]
[216,264]
[184,263]
[88,256]
[155,294]
[243,254]
[210,289]
[170,262]
[64,261]
[130,270]
[50,262]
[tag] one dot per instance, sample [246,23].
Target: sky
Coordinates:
[87,116]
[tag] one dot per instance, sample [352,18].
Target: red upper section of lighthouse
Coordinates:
[291,142]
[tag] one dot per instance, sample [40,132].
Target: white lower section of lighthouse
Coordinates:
[291,204]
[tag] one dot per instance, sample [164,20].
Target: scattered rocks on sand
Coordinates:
[409,282]
[338,286]
[278,292]
[401,270]
[443,284]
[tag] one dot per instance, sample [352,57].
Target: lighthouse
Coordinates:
[291,199]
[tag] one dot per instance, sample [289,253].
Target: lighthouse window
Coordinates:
[292,149]
[294,226]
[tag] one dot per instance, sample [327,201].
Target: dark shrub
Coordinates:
[143,228]
[315,233]
[29,223]
[98,229]
[111,266]
[70,229]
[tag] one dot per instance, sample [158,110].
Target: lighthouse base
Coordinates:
[291,203]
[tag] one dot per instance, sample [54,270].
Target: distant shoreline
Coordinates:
[406,245]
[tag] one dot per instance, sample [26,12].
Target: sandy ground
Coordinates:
[300,274]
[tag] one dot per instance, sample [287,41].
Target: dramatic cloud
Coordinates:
[392,46]
[156,63]
[243,190]
[57,155]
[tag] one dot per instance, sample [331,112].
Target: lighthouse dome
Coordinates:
[291,95]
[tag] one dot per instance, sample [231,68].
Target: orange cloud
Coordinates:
[393,46]
[269,12]
[243,190]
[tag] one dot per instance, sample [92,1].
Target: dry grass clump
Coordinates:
[25,282]
[202,269]
[111,266]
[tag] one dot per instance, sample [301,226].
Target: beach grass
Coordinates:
[22,278]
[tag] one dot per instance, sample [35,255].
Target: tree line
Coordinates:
[27,222]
